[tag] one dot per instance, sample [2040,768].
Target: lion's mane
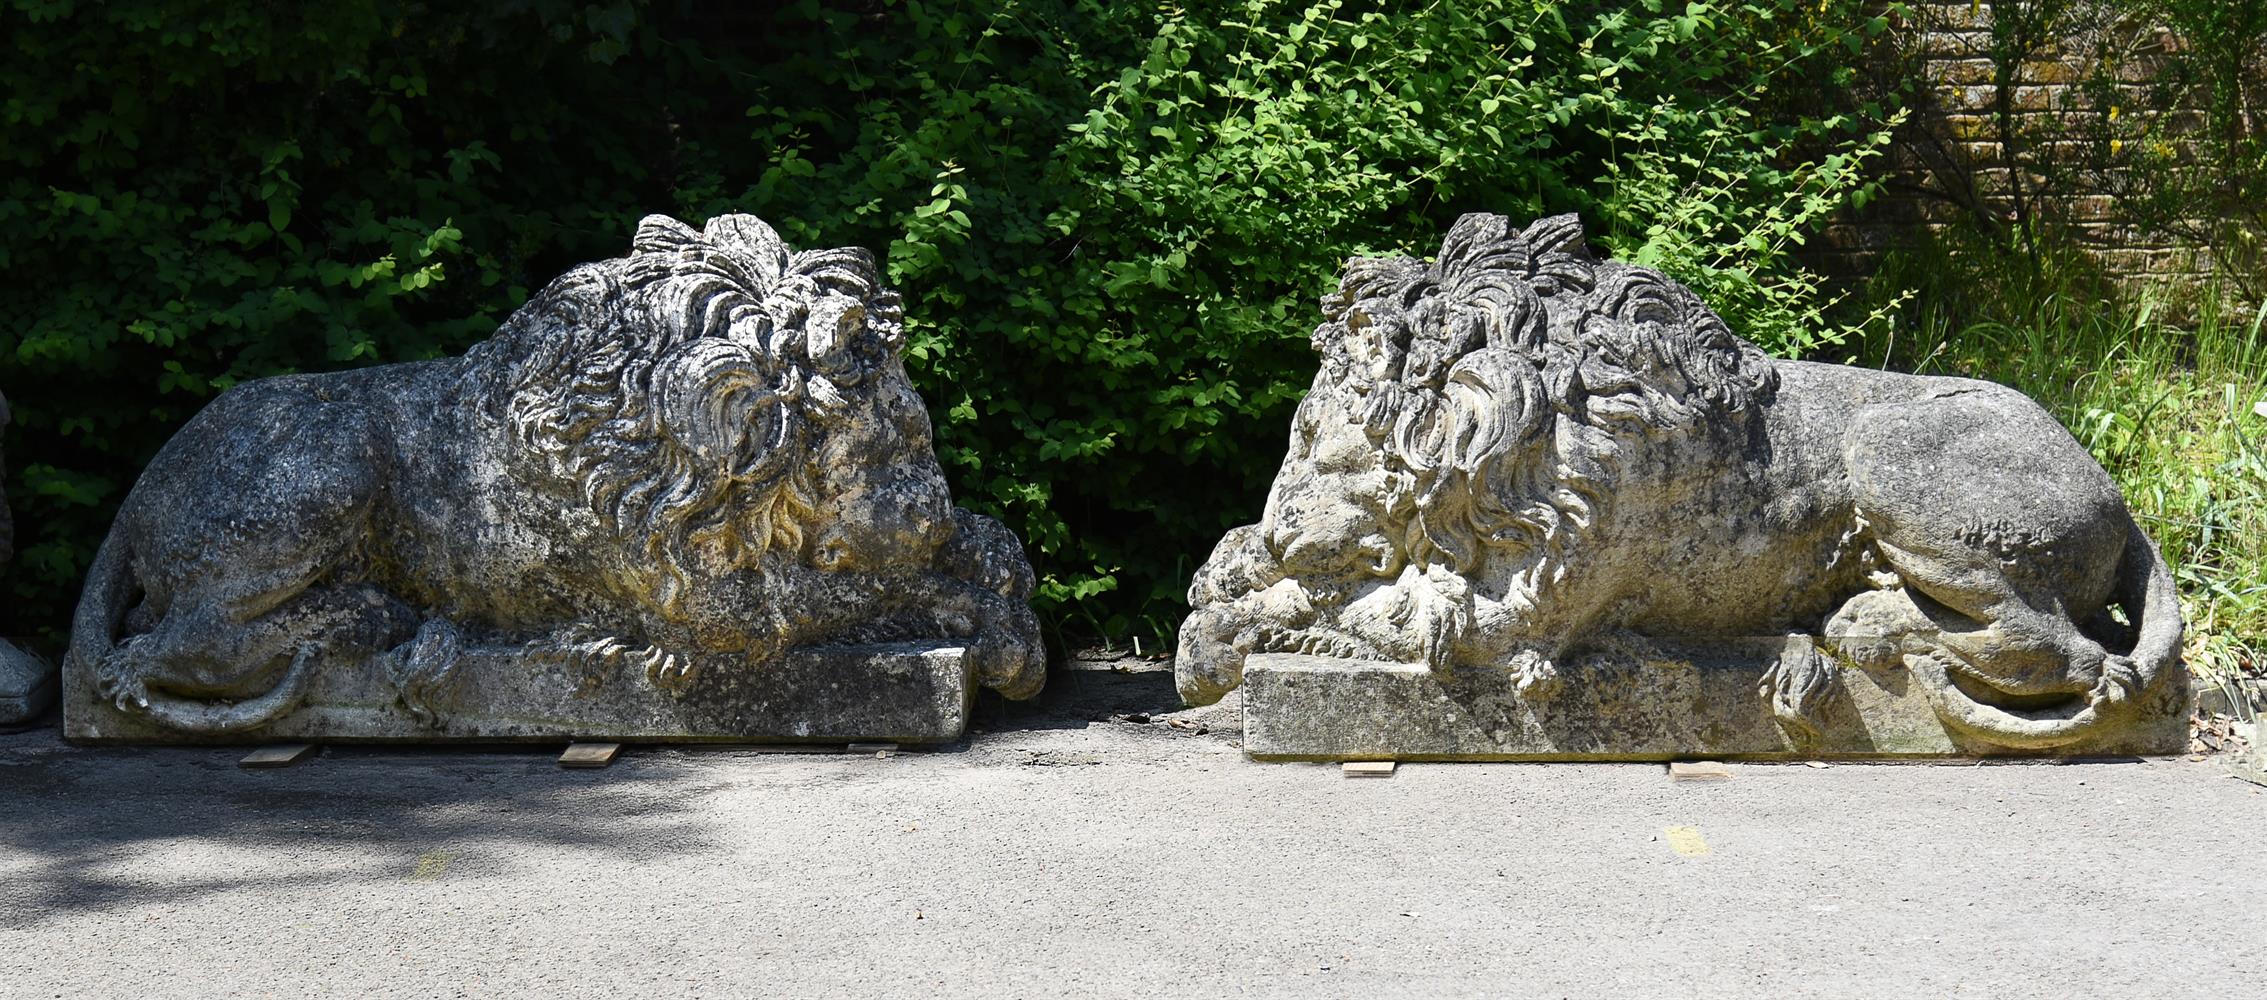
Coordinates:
[674,391]
[1511,382]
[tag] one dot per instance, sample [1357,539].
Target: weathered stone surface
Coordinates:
[657,504]
[1665,704]
[1516,456]
[916,692]
[27,683]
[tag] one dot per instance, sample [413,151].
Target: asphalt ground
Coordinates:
[1068,849]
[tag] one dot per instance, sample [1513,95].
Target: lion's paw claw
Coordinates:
[671,672]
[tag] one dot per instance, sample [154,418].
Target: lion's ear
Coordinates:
[662,234]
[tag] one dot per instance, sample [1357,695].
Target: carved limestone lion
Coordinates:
[689,458]
[1517,451]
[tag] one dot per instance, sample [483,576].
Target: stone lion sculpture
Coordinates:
[695,456]
[1517,452]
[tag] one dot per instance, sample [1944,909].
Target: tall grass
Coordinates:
[2174,405]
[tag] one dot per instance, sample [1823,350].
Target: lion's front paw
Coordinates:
[599,659]
[671,672]
[1010,658]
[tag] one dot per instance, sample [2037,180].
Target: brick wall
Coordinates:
[2059,120]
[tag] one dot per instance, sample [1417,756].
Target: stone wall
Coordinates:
[2067,115]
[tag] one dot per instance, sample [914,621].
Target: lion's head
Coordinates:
[1471,422]
[717,399]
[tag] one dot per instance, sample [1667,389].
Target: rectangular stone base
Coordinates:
[918,692]
[1690,700]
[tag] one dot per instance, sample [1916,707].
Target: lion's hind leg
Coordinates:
[226,666]
[1871,631]
[238,531]
[2005,536]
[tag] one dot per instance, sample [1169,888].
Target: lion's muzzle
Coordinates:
[897,524]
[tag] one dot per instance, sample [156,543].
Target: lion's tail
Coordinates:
[102,608]
[2146,592]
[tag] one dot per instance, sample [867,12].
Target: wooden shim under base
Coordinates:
[279,755]
[589,754]
[1367,768]
[1698,770]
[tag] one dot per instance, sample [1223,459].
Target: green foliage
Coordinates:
[1110,221]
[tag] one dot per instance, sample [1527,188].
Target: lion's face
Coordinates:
[882,496]
[1327,513]
[1469,430]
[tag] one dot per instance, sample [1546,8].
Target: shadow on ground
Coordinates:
[1087,693]
[80,823]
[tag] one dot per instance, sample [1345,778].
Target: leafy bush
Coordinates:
[2192,163]
[1109,220]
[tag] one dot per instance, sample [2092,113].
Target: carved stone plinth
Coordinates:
[1677,702]
[912,692]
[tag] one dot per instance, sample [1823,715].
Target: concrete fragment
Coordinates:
[1699,770]
[589,755]
[279,755]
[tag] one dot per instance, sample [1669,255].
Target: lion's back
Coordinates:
[262,466]
[1978,471]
